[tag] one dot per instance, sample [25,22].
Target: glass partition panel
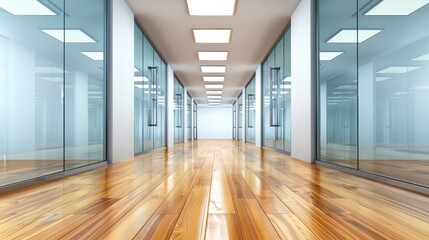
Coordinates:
[338,82]
[84,83]
[250,111]
[140,80]
[178,112]
[189,117]
[240,112]
[52,87]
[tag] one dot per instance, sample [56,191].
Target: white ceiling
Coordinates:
[255,27]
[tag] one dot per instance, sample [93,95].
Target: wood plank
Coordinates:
[223,226]
[290,227]
[254,223]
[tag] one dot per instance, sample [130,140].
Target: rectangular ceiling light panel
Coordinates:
[396,7]
[26,7]
[214,100]
[214,79]
[212,35]
[211,86]
[350,35]
[214,92]
[96,56]
[213,69]
[328,56]
[71,35]
[211,7]
[212,56]
[214,97]
[422,58]
[398,69]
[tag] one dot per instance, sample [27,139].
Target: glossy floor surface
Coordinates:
[213,190]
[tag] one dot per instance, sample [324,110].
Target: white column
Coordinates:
[258,110]
[366,105]
[303,73]
[120,127]
[170,106]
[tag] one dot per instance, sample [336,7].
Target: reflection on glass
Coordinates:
[195,134]
[52,90]
[377,94]
[276,84]
[234,120]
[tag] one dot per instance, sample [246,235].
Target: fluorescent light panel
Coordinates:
[26,7]
[287,79]
[141,79]
[214,97]
[211,86]
[213,69]
[398,69]
[96,56]
[214,100]
[214,92]
[212,35]
[72,35]
[211,8]
[349,35]
[422,58]
[328,56]
[136,69]
[212,56]
[396,7]
[379,79]
[214,79]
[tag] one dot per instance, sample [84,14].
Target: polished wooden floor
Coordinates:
[213,190]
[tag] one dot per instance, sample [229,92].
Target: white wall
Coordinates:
[170,106]
[303,74]
[214,123]
[258,110]
[121,101]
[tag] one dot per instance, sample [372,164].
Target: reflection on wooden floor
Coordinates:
[214,190]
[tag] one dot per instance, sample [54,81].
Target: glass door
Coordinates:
[250,111]
[178,112]
[189,117]
[234,120]
[195,121]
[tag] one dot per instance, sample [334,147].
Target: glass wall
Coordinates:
[250,111]
[179,115]
[240,115]
[373,87]
[150,76]
[276,85]
[188,117]
[52,87]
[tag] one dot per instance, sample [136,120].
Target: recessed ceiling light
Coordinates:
[213,69]
[214,79]
[212,35]
[211,8]
[97,56]
[214,86]
[53,79]
[287,79]
[422,58]
[396,7]
[216,97]
[379,79]
[212,56]
[72,35]
[214,92]
[141,79]
[26,7]
[328,56]
[350,35]
[214,100]
[49,70]
[398,69]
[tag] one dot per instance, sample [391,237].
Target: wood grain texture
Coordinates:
[213,189]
